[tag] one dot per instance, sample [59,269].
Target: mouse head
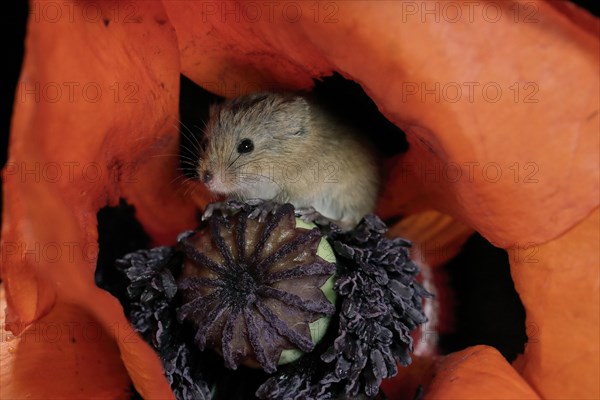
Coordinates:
[248,139]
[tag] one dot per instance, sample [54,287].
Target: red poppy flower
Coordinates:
[500,96]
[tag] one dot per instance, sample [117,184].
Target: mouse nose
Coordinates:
[207,176]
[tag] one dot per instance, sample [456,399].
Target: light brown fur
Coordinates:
[302,155]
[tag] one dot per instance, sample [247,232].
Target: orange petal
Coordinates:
[66,354]
[559,285]
[437,238]
[95,115]
[478,372]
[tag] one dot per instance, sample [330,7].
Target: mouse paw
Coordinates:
[228,208]
[210,209]
[309,214]
[257,202]
[265,207]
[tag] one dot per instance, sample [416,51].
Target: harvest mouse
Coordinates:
[286,148]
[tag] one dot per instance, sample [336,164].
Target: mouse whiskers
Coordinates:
[190,136]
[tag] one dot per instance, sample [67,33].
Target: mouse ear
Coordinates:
[292,116]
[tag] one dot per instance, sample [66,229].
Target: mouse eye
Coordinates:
[245,146]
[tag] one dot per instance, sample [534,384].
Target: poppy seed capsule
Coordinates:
[259,293]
